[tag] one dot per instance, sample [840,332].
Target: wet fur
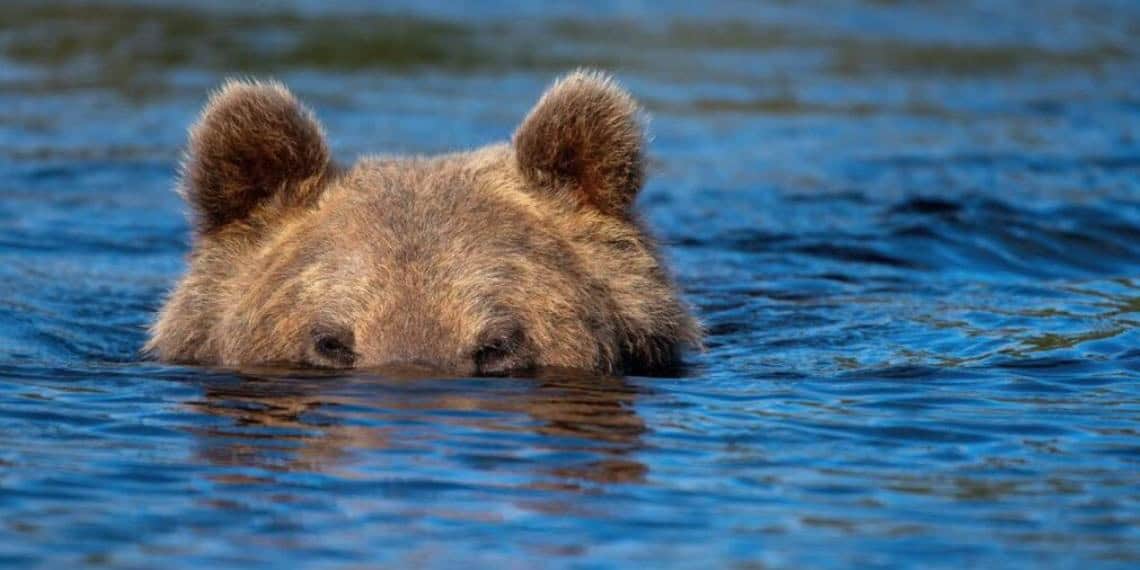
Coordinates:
[531,248]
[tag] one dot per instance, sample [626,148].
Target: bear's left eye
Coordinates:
[501,353]
[333,347]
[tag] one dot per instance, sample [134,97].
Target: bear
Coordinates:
[509,258]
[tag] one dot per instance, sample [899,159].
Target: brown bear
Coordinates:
[502,259]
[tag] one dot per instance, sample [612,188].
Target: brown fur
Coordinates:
[504,258]
[253,143]
[584,137]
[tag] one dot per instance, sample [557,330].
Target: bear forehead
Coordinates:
[425,192]
[430,215]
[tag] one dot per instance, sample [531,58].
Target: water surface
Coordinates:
[911,229]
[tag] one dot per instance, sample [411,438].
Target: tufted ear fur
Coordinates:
[585,136]
[254,145]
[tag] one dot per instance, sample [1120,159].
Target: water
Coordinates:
[912,230]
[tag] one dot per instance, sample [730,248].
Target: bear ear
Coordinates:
[585,136]
[254,144]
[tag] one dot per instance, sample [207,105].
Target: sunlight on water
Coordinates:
[912,231]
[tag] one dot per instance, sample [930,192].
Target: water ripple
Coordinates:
[912,233]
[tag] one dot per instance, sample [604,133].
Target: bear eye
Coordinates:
[501,354]
[333,347]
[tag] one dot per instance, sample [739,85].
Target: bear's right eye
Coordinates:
[500,354]
[333,348]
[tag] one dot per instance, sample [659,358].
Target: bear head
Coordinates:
[506,258]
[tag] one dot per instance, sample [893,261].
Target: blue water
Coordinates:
[911,229]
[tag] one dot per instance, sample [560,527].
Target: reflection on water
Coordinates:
[579,427]
[911,229]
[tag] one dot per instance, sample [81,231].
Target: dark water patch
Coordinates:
[113,42]
[867,58]
[851,54]
[786,105]
[987,235]
[1055,164]
[854,254]
[926,206]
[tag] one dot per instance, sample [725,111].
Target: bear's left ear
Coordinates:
[585,136]
[255,145]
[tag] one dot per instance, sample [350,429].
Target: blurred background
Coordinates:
[912,230]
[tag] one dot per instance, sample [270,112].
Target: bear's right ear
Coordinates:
[254,144]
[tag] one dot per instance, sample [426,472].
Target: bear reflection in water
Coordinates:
[279,424]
